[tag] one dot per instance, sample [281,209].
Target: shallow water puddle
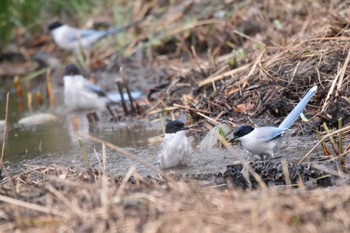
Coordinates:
[55,143]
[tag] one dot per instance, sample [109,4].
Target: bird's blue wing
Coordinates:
[93,88]
[269,133]
[276,133]
[81,34]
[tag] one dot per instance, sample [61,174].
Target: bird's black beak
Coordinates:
[231,137]
[185,128]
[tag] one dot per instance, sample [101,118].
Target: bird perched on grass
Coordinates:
[263,140]
[175,149]
[80,94]
[71,38]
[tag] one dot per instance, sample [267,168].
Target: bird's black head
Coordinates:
[54,25]
[71,69]
[175,126]
[242,131]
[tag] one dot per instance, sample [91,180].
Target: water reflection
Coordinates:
[56,143]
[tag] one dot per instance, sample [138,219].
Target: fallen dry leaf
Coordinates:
[244,108]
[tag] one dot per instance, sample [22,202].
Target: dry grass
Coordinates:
[55,199]
[281,48]
[266,56]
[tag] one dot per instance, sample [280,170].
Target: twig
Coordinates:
[132,103]
[324,138]
[83,152]
[256,176]
[5,133]
[227,74]
[295,71]
[319,77]
[341,38]
[50,89]
[331,138]
[29,101]
[104,158]
[195,57]
[193,109]
[340,140]
[39,99]
[340,82]
[267,73]
[105,200]
[248,37]
[47,210]
[339,75]
[95,117]
[214,186]
[252,70]
[220,115]
[19,91]
[208,118]
[98,160]
[127,176]
[341,156]
[192,25]
[327,170]
[74,208]
[286,173]
[110,111]
[161,110]
[122,97]
[122,151]
[89,118]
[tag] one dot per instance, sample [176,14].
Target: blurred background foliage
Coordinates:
[32,16]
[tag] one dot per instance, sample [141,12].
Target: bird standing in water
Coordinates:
[81,94]
[176,148]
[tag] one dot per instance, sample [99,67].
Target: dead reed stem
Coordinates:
[5,133]
[31,206]
[123,152]
[323,138]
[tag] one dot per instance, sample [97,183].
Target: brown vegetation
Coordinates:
[54,199]
[280,49]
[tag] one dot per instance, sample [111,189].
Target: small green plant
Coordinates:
[239,55]
[336,143]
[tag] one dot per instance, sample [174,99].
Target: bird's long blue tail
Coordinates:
[294,114]
[123,28]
